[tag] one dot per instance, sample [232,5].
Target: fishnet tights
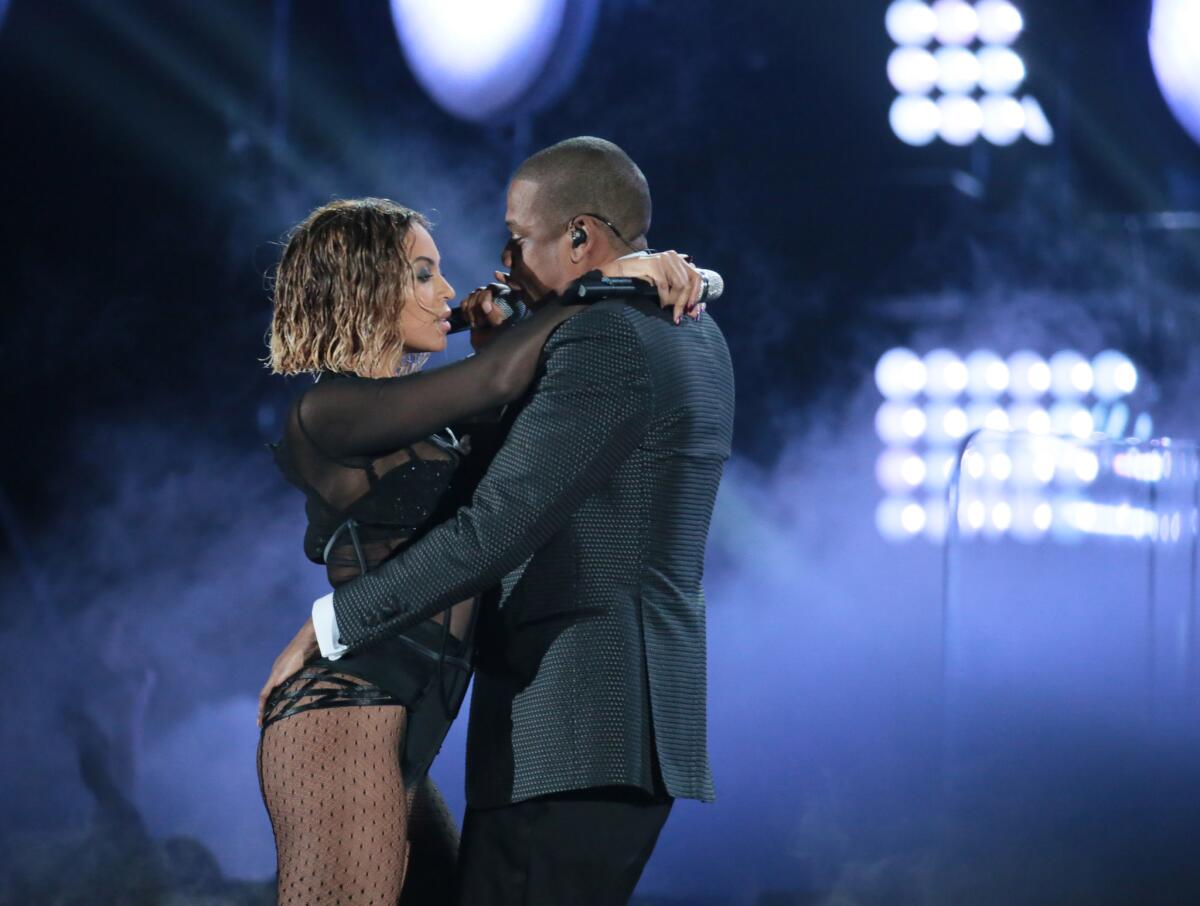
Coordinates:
[332,785]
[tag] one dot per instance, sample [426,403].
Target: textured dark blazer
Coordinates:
[593,516]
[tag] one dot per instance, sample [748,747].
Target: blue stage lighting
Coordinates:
[963,86]
[485,61]
[899,374]
[1175,53]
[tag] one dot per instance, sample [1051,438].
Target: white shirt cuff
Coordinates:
[325,623]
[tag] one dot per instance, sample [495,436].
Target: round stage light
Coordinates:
[1029,417]
[999,21]
[957,22]
[1115,375]
[896,469]
[1086,465]
[1174,27]
[945,374]
[485,61]
[945,422]
[898,423]
[1001,70]
[912,70]
[1000,466]
[987,375]
[910,22]
[1029,375]
[895,517]
[1070,374]
[1002,516]
[957,70]
[915,119]
[900,374]
[961,119]
[1003,118]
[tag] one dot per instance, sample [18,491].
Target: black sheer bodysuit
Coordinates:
[345,743]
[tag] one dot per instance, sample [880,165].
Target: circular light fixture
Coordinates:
[999,21]
[962,119]
[1174,26]
[958,70]
[910,22]
[912,70]
[1001,70]
[915,119]
[957,21]
[1003,118]
[485,61]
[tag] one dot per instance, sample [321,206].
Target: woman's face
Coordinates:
[423,318]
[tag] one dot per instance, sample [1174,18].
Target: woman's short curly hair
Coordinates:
[339,288]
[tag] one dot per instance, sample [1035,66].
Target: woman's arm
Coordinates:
[373,417]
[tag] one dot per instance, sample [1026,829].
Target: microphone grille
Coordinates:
[714,285]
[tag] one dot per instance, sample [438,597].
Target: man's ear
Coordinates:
[581,240]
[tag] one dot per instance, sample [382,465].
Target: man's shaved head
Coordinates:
[587,175]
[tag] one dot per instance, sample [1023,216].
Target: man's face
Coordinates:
[537,254]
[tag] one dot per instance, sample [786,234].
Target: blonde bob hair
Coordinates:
[341,283]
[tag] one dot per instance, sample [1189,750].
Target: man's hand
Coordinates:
[294,656]
[482,314]
[678,283]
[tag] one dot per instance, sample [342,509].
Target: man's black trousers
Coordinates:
[583,848]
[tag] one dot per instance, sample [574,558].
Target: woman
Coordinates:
[346,745]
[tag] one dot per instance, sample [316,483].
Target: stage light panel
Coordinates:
[1115,375]
[987,374]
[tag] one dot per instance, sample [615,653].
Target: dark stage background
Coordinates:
[154,153]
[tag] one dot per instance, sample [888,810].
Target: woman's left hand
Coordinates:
[294,656]
[678,283]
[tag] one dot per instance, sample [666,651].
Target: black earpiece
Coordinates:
[578,237]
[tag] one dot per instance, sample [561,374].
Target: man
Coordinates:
[588,712]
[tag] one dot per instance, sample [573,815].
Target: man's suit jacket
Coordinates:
[593,516]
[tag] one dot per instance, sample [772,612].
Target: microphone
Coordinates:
[604,287]
[503,298]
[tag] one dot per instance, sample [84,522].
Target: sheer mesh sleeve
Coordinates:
[369,418]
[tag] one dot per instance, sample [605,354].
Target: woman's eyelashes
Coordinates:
[424,276]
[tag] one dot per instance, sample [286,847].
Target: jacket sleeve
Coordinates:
[590,410]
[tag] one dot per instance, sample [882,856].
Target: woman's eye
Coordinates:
[425,277]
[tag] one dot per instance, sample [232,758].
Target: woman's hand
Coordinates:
[678,283]
[294,656]
[482,313]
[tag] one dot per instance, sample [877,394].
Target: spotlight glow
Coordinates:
[999,21]
[1001,70]
[910,22]
[478,58]
[957,70]
[961,119]
[946,375]
[1029,375]
[1070,374]
[913,70]
[900,374]
[987,374]
[957,22]
[915,119]
[1174,26]
[1003,118]
[1115,375]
